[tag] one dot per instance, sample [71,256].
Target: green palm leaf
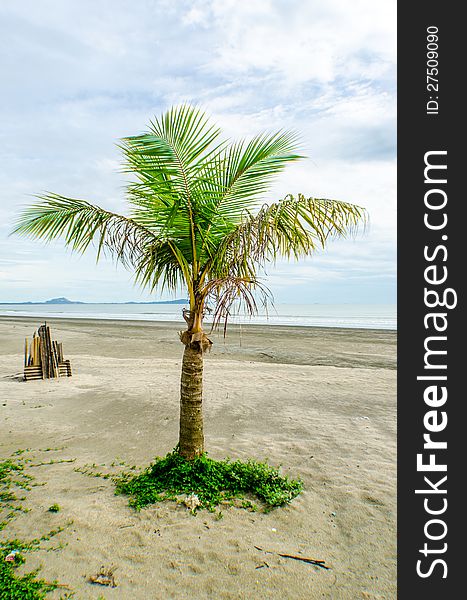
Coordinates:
[244,171]
[81,223]
[289,228]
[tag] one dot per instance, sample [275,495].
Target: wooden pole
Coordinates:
[33,350]
[53,365]
[36,360]
[55,356]
[43,352]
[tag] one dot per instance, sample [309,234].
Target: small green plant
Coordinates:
[54,508]
[25,587]
[12,585]
[212,481]
[249,505]
[12,478]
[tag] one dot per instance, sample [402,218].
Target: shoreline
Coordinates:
[181,324]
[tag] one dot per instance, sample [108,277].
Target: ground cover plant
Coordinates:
[212,481]
[14,482]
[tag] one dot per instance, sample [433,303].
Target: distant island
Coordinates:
[63,300]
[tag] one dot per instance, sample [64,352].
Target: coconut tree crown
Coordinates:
[195,219]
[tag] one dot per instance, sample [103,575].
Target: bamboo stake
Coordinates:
[55,355]
[53,367]
[32,350]
[43,353]
[36,359]
[49,353]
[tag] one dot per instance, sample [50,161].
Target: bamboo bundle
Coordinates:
[43,357]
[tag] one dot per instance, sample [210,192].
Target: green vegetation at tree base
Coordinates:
[211,480]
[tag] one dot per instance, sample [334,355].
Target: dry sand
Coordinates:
[321,402]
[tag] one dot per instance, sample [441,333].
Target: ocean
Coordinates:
[366,316]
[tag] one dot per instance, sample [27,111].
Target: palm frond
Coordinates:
[167,158]
[162,264]
[289,228]
[234,179]
[81,223]
[167,162]
[231,291]
[243,171]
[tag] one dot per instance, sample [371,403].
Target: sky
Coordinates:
[78,75]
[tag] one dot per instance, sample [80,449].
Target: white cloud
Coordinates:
[80,75]
[304,41]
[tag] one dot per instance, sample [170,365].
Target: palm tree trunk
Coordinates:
[191,440]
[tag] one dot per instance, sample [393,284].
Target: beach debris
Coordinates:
[43,357]
[104,577]
[311,561]
[192,502]
[12,556]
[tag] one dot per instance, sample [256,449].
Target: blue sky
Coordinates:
[77,75]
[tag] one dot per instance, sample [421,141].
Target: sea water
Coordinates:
[366,316]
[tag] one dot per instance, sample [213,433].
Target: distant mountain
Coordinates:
[63,300]
[60,300]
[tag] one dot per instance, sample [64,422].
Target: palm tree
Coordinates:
[195,221]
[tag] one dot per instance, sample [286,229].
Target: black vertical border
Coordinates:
[419,133]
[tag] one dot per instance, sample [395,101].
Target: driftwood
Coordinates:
[311,561]
[104,577]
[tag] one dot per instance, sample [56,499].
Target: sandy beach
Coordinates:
[320,402]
